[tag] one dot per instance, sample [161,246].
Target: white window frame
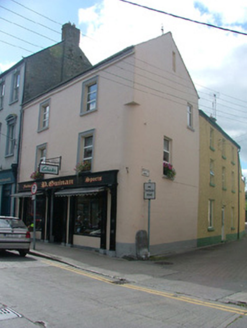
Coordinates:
[44,115]
[2,93]
[223,148]
[41,154]
[167,150]
[210,213]
[15,86]
[81,146]
[223,178]
[189,116]
[10,138]
[232,217]
[212,179]
[211,138]
[233,181]
[89,104]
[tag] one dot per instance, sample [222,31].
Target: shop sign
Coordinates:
[6,177]
[49,169]
[57,183]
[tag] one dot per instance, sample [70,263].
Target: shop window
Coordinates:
[89,95]
[89,210]
[44,114]
[10,138]
[2,92]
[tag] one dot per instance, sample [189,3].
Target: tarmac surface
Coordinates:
[216,273]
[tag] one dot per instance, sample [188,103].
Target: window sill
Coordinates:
[232,228]
[233,163]
[233,191]
[9,155]
[212,184]
[211,229]
[43,129]
[168,178]
[224,157]
[190,128]
[13,101]
[88,112]
[212,148]
[224,188]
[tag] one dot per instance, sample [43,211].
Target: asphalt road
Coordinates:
[172,292]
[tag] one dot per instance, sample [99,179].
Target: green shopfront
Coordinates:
[7,187]
[73,210]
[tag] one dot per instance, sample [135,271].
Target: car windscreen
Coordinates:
[14,223]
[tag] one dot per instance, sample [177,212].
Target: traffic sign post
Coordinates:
[34,189]
[149,193]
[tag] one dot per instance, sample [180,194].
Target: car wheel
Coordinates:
[23,253]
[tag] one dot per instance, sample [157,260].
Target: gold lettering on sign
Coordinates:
[58,183]
[96,179]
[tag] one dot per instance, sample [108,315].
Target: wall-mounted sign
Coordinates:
[48,169]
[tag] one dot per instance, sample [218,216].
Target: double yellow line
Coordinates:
[173,296]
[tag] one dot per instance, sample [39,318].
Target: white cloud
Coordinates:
[215,59]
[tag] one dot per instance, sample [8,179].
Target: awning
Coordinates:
[78,192]
[25,194]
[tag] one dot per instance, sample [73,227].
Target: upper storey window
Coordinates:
[10,140]
[2,92]
[15,86]
[89,95]
[44,115]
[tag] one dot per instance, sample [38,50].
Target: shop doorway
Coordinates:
[6,200]
[59,219]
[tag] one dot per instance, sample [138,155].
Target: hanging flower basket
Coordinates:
[168,170]
[37,175]
[83,167]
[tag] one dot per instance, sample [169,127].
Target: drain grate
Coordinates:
[6,313]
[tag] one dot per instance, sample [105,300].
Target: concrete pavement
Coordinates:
[217,273]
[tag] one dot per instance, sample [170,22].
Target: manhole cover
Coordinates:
[6,313]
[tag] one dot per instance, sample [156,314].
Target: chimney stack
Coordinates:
[71,34]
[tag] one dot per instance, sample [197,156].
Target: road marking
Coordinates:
[173,296]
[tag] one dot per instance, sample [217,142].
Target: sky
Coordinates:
[215,58]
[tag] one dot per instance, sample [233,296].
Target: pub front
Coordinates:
[73,210]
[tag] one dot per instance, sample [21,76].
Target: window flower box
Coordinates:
[168,170]
[36,175]
[83,166]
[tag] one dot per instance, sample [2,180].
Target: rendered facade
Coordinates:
[222,197]
[127,120]
[25,80]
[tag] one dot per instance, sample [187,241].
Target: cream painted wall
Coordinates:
[174,212]
[140,100]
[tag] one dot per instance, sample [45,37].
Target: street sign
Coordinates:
[34,188]
[149,190]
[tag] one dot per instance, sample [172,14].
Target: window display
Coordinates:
[89,215]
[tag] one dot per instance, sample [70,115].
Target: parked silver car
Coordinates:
[14,235]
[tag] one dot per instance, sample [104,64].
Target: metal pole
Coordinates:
[34,221]
[149,206]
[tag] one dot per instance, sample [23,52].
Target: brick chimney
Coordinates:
[71,34]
